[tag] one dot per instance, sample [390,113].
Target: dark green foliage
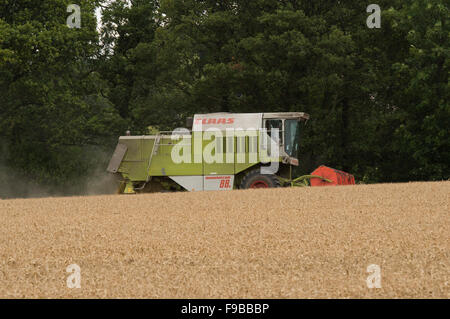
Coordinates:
[378,98]
[51,101]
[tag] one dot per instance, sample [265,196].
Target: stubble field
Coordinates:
[277,243]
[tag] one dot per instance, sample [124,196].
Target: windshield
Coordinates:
[292,137]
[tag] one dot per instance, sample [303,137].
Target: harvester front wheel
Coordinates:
[254,179]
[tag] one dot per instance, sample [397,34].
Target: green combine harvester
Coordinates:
[220,151]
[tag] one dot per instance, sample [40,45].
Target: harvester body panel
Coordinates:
[117,158]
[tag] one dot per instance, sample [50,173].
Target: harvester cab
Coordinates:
[221,151]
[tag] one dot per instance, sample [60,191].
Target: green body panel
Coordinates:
[163,165]
[220,165]
[134,164]
[138,164]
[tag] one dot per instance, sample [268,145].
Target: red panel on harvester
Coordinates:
[335,176]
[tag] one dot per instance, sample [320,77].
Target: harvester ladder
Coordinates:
[154,150]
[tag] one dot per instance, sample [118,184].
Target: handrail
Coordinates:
[154,150]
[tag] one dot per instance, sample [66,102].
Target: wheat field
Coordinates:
[275,243]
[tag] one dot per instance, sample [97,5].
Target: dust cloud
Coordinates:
[15,184]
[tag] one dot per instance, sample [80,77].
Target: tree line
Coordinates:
[378,97]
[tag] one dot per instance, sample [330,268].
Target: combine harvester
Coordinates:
[222,151]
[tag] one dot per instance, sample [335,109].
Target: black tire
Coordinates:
[254,179]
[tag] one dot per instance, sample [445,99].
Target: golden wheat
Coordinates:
[276,243]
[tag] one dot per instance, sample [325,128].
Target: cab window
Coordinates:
[275,124]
